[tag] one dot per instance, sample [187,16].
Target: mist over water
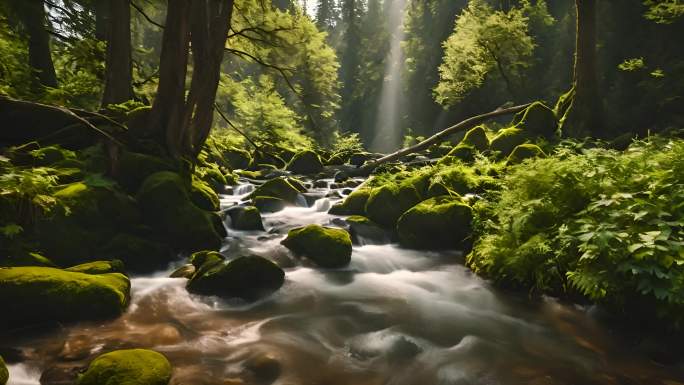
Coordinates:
[387,131]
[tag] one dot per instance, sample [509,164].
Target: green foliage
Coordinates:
[664,11]
[603,223]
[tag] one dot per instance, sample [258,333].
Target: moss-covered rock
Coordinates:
[26,259]
[283,188]
[325,246]
[525,151]
[137,253]
[477,138]
[248,278]
[99,267]
[166,206]
[245,218]
[263,158]
[359,158]
[353,204]
[463,152]
[338,159]
[305,162]
[237,159]
[440,222]
[363,231]
[4,373]
[457,178]
[537,120]
[46,295]
[128,367]
[134,168]
[267,204]
[386,203]
[507,139]
[203,196]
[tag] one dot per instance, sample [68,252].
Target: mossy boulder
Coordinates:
[353,204]
[139,254]
[463,152]
[363,231]
[203,196]
[166,206]
[359,158]
[525,151]
[267,204]
[46,295]
[99,267]
[263,158]
[245,218]
[387,202]
[134,168]
[283,188]
[338,159]
[237,159]
[476,138]
[537,120]
[457,178]
[325,246]
[436,223]
[305,162]
[507,139]
[249,278]
[4,373]
[26,259]
[128,367]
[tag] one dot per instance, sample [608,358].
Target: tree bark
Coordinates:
[119,68]
[101,9]
[33,18]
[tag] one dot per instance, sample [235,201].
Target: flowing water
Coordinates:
[394,316]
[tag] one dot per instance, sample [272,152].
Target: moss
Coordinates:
[463,152]
[506,140]
[440,222]
[386,203]
[440,188]
[50,155]
[99,267]
[245,218]
[166,207]
[269,204]
[45,294]
[249,277]
[250,174]
[26,259]
[128,367]
[135,167]
[138,254]
[327,247]
[283,188]
[4,373]
[537,120]
[338,159]
[206,257]
[354,204]
[260,157]
[216,179]
[305,162]
[203,196]
[364,231]
[458,178]
[525,151]
[476,138]
[237,159]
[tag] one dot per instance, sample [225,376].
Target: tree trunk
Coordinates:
[33,18]
[101,9]
[583,114]
[119,70]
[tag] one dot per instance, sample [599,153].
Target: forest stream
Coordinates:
[393,316]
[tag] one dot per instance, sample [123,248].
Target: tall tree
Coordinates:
[187,122]
[352,11]
[325,15]
[119,68]
[33,19]
[581,107]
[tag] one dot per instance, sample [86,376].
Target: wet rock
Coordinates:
[204,196]
[167,207]
[363,231]
[248,278]
[269,204]
[354,204]
[246,218]
[4,373]
[341,176]
[263,368]
[284,188]
[54,295]
[311,198]
[135,167]
[263,158]
[138,254]
[525,151]
[130,367]
[185,271]
[237,159]
[360,158]
[321,183]
[333,194]
[305,162]
[61,374]
[441,222]
[387,203]
[325,246]
[99,267]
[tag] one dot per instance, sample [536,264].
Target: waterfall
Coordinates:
[387,131]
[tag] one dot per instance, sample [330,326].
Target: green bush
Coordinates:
[602,223]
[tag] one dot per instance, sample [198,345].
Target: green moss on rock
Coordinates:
[283,188]
[476,138]
[363,231]
[537,120]
[353,204]
[46,295]
[440,222]
[245,218]
[128,367]
[305,162]
[525,151]
[507,139]
[135,167]
[463,152]
[26,259]
[4,373]
[203,196]
[249,277]
[386,203]
[457,178]
[137,253]
[99,267]
[237,159]
[325,246]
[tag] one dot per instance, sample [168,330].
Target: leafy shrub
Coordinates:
[603,223]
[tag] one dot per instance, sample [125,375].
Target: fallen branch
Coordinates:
[218,109]
[367,168]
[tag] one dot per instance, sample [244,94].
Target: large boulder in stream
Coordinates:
[34,295]
[325,246]
[249,278]
[4,373]
[353,204]
[305,162]
[246,218]
[363,231]
[204,196]
[269,204]
[237,159]
[166,206]
[437,223]
[387,202]
[128,367]
[286,189]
